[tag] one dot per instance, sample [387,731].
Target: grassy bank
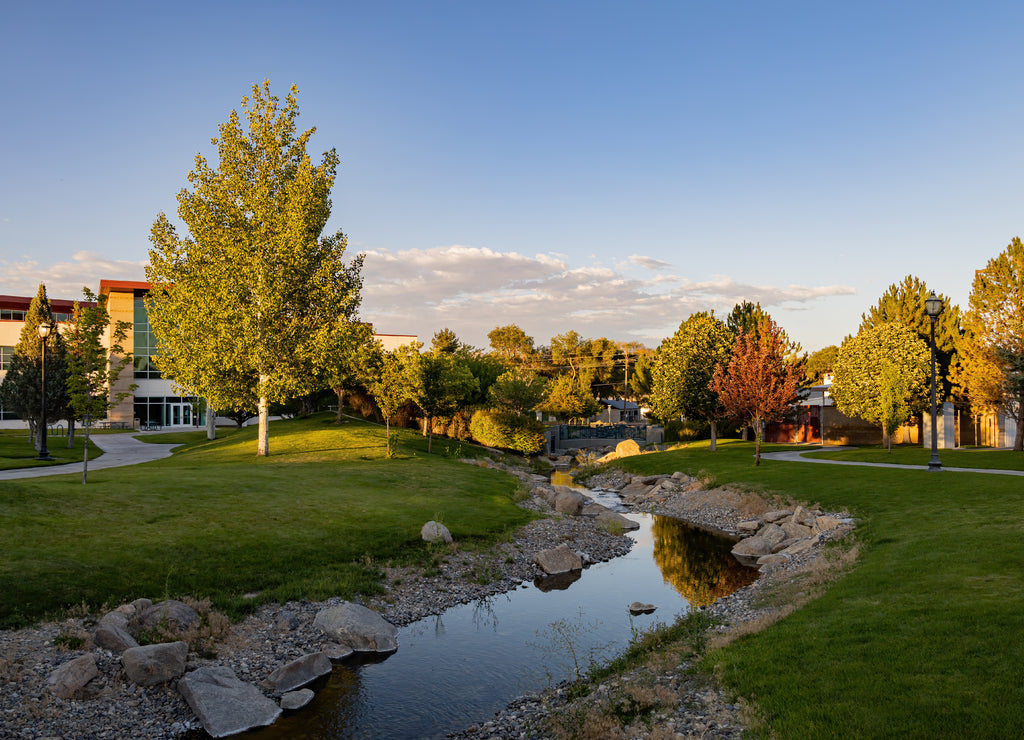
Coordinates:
[920,639]
[17,450]
[987,459]
[317,518]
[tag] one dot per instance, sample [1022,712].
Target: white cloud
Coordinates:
[648,263]
[65,279]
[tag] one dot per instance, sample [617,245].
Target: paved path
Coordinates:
[118,450]
[798,456]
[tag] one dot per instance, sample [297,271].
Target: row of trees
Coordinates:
[82,363]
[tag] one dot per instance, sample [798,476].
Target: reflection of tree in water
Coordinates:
[698,564]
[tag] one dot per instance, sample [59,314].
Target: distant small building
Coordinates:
[617,411]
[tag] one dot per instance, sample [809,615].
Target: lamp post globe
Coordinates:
[44,332]
[933,307]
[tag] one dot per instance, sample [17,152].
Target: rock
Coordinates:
[558,560]
[773,516]
[296,699]
[802,516]
[298,673]
[362,629]
[638,607]
[614,518]
[627,448]
[592,509]
[287,620]
[825,523]
[558,582]
[336,652]
[141,605]
[568,502]
[772,559]
[225,705]
[112,633]
[792,529]
[800,546]
[433,531]
[68,681]
[751,525]
[169,615]
[149,665]
[773,534]
[751,548]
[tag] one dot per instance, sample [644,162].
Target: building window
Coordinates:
[11,314]
[6,354]
[144,343]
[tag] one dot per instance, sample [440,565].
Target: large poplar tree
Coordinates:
[683,368]
[255,303]
[993,371]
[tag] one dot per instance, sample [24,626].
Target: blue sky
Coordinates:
[598,166]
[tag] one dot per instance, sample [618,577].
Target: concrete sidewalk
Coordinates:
[798,456]
[118,450]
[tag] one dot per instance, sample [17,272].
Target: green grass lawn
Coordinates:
[922,638]
[975,457]
[317,518]
[17,450]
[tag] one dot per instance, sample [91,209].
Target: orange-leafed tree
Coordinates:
[759,383]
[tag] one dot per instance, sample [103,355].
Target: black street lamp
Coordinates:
[44,454]
[933,307]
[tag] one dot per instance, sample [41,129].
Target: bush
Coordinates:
[687,431]
[507,431]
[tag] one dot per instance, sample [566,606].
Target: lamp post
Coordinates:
[44,454]
[933,307]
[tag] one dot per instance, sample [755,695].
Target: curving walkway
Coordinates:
[798,456]
[118,450]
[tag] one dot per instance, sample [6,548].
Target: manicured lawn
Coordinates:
[922,638]
[17,451]
[316,519]
[977,457]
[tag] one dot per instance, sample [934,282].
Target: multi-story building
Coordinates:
[153,402]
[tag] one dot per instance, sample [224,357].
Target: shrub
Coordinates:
[507,431]
[687,431]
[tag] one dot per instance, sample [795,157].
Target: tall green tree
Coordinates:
[513,345]
[684,366]
[256,292]
[93,369]
[820,363]
[903,303]
[760,380]
[566,399]
[881,374]
[444,385]
[393,381]
[517,391]
[22,387]
[750,317]
[995,331]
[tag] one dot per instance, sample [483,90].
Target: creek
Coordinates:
[460,667]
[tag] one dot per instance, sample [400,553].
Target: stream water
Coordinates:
[461,667]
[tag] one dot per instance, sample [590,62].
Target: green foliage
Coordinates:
[748,317]
[21,389]
[881,374]
[393,380]
[512,345]
[445,383]
[255,305]
[819,363]
[518,390]
[566,399]
[507,431]
[903,304]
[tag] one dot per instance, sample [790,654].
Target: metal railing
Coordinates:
[602,431]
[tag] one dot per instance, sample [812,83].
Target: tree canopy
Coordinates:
[683,368]
[255,304]
[882,375]
[512,344]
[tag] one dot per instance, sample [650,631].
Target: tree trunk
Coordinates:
[85,450]
[340,393]
[745,437]
[387,434]
[757,443]
[430,440]
[71,433]
[33,433]
[263,435]
[714,435]
[1018,438]
[211,421]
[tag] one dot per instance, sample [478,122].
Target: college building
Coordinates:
[154,402]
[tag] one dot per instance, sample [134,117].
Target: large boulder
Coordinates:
[362,629]
[558,560]
[112,633]
[225,705]
[69,681]
[435,531]
[773,534]
[149,665]
[627,448]
[298,673]
[794,530]
[751,548]
[609,518]
[568,501]
[168,615]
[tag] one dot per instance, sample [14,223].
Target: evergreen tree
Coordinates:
[256,304]
[21,390]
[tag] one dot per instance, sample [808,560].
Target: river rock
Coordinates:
[750,525]
[825,523]
[557,560]
[336,652]
[296,699]
[433,531]
[627,448]
[170,614]
[751,548]
[68,681]
[773,516]
[800,546]
[225,705]
[638,607]
[112,632]
[362,629]
[614,518]
[149,665]
[773,534]
[568,502]
[297,674]
[792,529]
